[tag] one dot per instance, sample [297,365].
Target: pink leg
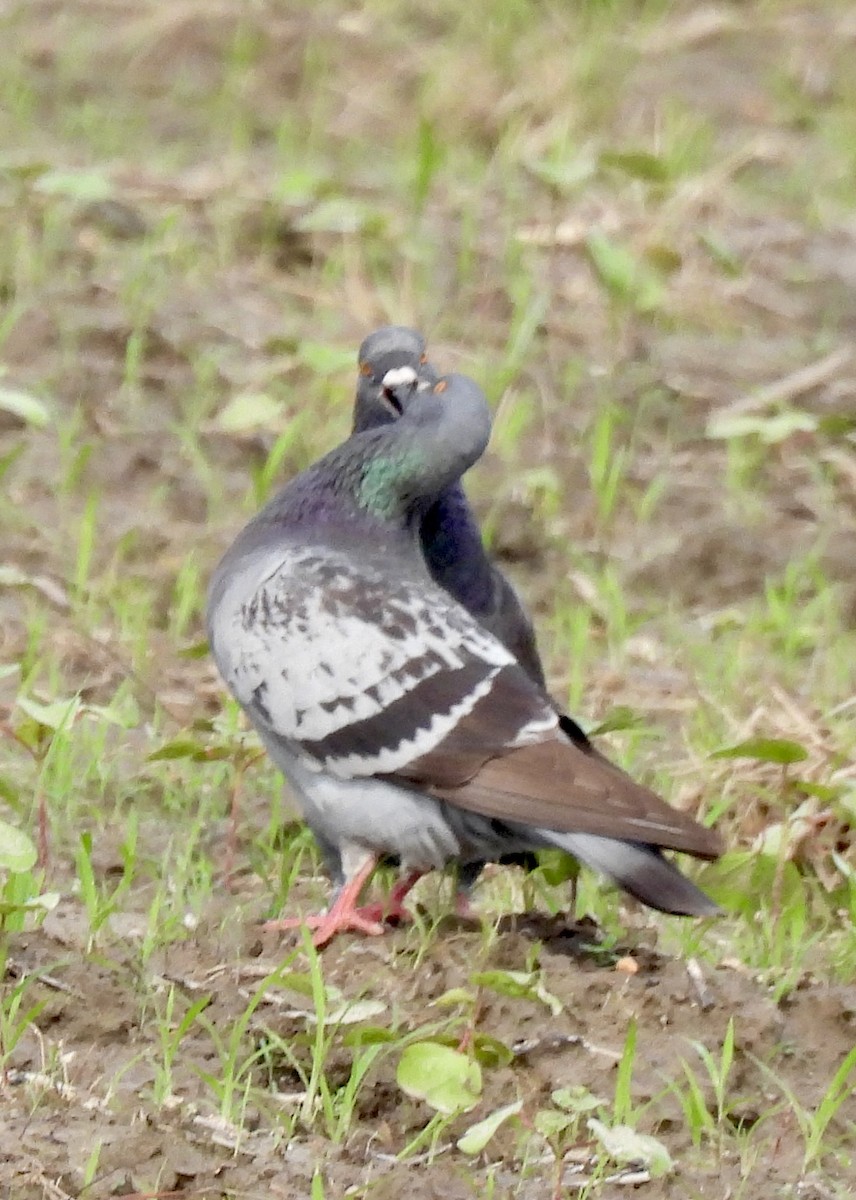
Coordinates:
[342,916]
[463,907]
[392,909]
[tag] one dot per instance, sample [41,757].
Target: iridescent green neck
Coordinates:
[380,489]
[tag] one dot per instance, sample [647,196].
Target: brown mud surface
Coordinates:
[91,1019]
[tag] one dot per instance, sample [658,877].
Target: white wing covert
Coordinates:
[360,672]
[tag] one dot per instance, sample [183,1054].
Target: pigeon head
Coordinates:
[393,369]
[385,476]
[407,463]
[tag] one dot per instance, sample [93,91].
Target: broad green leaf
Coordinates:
[9,791]
[336,215]
[556,867]
[637,163]
[622,273]
[85,186]
[524,984]
[772,841]
[784,425]
[577,1099]
[369,1035]
[301,982]
[620,717]
[196,650]
[490,1051]
[47,902]
[566,174]
[298,186]
[248,410]
[178,748]
[57,715]
[770,429]
[837,425]
[478,1135]
[122,711]
[325,360]
[550,1122]
[17,850]
[625,1145]
[446,1079]
[774,750]
[24,406]
[507,983]
[826,792]
[14,167]
[458,995]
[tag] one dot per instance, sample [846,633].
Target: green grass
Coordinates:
[202,215]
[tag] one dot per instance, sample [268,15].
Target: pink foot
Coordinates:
[392,909]
[342,916]
[463,907]
[385,911]
[326,925]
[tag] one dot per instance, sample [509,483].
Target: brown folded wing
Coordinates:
[558,786]
[552,783]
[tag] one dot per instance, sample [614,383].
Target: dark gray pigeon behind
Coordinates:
[449,533]
[408,731]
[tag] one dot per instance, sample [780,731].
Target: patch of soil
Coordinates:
[90,1074]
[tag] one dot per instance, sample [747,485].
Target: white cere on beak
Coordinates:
[398,377]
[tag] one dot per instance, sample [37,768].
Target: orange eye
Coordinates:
[423,360]
[365,369]
[441,386]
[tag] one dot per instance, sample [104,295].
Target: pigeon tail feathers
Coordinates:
[640,870]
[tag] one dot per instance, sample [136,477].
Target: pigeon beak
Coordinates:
[426,379]
[398,386]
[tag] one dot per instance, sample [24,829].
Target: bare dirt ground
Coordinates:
[146,1149]
[126,344]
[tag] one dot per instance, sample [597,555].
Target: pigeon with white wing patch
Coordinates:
[408,731]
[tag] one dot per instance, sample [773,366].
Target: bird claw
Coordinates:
[392,910]
[388,912]
[327,925]
[343,915]
[463,907]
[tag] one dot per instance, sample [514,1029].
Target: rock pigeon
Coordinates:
[456,558]
[449,533]
[408,731]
